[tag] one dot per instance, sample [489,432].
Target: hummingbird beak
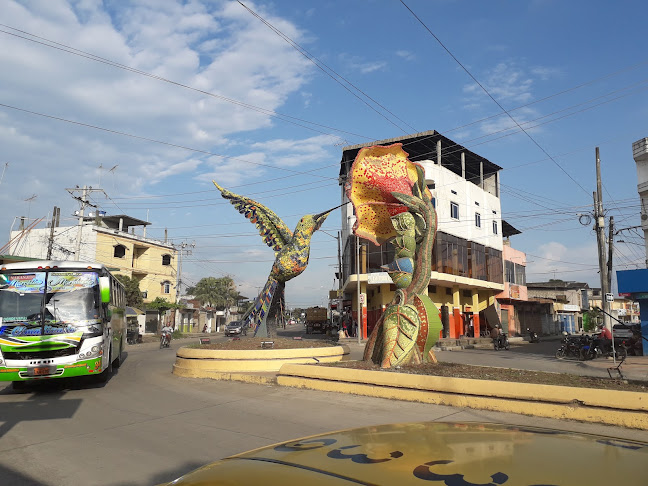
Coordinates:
[321,217]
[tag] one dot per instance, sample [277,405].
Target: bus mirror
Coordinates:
[104,289]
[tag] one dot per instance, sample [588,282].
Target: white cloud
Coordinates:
[407,55]
[556,260]
[512,86]
[363,66]
[217,47]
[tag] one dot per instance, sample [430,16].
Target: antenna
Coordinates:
[112,171]
[3,171]
[100,169]
[29,200]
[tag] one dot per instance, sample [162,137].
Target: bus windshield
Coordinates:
[48,300]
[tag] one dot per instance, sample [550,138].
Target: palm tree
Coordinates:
[215,292]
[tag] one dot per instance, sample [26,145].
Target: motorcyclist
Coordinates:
[167,331]
[496,334]
[604,339]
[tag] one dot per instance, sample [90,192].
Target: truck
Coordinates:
[317,320]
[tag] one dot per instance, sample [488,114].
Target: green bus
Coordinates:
[60,319]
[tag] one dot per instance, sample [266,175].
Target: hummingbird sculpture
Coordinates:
[292,250]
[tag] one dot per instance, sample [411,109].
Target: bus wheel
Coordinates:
[118,360]
[103,376]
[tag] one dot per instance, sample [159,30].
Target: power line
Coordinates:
[169,144]
[93,57]
[492,98]
[327,70]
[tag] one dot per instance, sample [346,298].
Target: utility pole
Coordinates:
[181,248]
[53,224]
[599,224]
[83,199]
[339,266]
[359,306]
[84,202]
[610,252]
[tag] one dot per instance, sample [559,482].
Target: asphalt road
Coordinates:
[147,426]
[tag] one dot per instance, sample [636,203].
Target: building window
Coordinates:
[509,271]
[494,227]
[520,275]
[450,255]
[166,287]
[454,210]
[120,251]
[477,259]
[166,259]
[478,220]
[494,265]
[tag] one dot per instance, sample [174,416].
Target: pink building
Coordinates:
[515,290]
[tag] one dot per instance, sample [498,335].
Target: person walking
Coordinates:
[345,330]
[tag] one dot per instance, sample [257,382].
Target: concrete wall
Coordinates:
[34,244]
[471,199]
[143,260]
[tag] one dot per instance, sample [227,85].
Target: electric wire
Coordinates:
[492,98]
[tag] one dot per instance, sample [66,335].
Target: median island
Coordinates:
[252,343]
[455,370]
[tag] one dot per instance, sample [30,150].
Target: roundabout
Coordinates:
[202,362]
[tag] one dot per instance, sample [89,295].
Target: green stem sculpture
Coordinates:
[410,325]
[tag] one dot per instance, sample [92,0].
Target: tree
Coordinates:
[215,292]
[132,288]
[161,305]
[591,319]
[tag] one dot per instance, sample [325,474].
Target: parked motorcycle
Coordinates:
[501,342]
[533,336]
[569,348]
[591,348]
[165,340]
[588,349]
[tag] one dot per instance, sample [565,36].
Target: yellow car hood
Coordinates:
[451,454]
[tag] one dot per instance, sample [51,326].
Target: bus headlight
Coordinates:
[93,352]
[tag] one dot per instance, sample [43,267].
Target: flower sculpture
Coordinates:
[392,203]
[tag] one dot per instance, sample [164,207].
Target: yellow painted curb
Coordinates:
[626,409]
[259,379]
[212,363]
[526,391]
[262,354]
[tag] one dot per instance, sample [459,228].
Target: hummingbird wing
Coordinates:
[274,232]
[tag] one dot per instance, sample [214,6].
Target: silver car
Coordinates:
[235,327]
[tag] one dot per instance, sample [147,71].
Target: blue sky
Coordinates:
[207,91]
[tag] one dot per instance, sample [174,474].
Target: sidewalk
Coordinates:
[634,368]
